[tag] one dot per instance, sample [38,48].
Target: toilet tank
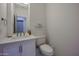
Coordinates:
[41,40]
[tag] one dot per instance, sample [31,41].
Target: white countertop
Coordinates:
[17,39]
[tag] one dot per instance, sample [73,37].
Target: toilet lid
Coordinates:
[46,48]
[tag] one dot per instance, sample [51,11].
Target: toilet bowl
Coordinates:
[46,50]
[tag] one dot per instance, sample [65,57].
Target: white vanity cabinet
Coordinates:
[21,48]
[11,49]
[28,48]
[1,50]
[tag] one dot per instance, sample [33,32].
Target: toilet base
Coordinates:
[46,50]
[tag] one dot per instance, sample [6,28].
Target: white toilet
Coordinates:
[45,49]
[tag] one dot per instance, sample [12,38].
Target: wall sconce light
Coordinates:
[3,20]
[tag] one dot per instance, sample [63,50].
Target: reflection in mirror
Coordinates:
[20,24]
[21,18]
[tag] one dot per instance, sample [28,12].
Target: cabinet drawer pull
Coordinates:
[20,49]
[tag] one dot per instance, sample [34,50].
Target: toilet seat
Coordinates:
[46,49]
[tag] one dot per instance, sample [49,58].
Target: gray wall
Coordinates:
[62,28]
[6,26]
[10,18]
[3,26]
[37,16]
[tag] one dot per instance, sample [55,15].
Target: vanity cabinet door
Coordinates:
[11,49]
[28,48]
[1,50]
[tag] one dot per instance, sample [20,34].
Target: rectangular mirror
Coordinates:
[21,18]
